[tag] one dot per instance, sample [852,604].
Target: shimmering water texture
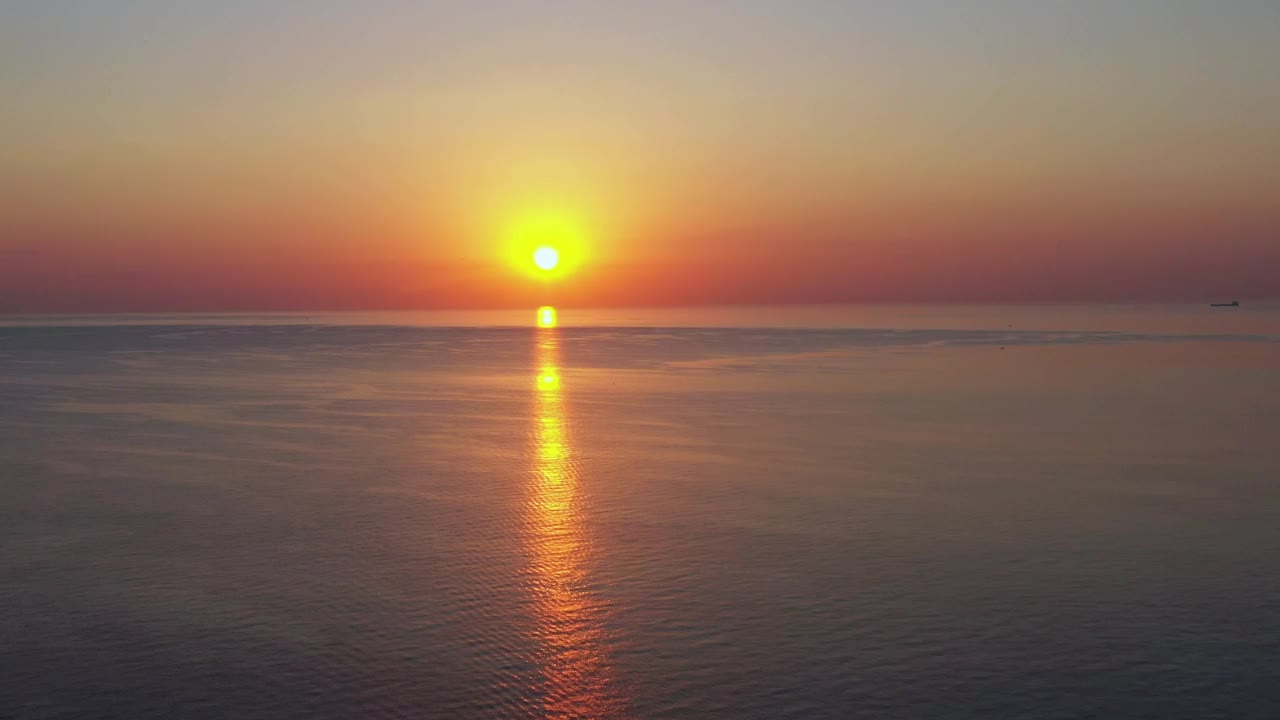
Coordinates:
[570,616]
[981,515]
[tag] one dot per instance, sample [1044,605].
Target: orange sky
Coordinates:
[253,157]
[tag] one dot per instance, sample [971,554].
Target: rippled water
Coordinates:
[242,518]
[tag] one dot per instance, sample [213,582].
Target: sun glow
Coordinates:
[554,241]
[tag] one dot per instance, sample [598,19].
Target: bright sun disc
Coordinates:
[546,258]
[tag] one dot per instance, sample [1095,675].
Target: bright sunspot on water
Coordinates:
[546,316]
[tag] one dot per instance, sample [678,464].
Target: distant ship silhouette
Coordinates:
[1233,303]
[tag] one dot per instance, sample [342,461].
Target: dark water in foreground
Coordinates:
[355,520]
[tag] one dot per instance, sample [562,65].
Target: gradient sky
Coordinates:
[322,155]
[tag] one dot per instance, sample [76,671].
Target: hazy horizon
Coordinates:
[263,156]
[1257,303]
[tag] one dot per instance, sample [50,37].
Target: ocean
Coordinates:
[810,512]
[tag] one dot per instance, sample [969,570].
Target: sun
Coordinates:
[546,258]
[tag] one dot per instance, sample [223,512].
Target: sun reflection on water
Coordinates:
[547,317]
[569,619]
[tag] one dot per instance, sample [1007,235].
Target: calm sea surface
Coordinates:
[879,512]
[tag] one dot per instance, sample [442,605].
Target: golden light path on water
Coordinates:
[569,620]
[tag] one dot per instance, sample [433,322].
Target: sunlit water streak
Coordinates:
[569,618]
